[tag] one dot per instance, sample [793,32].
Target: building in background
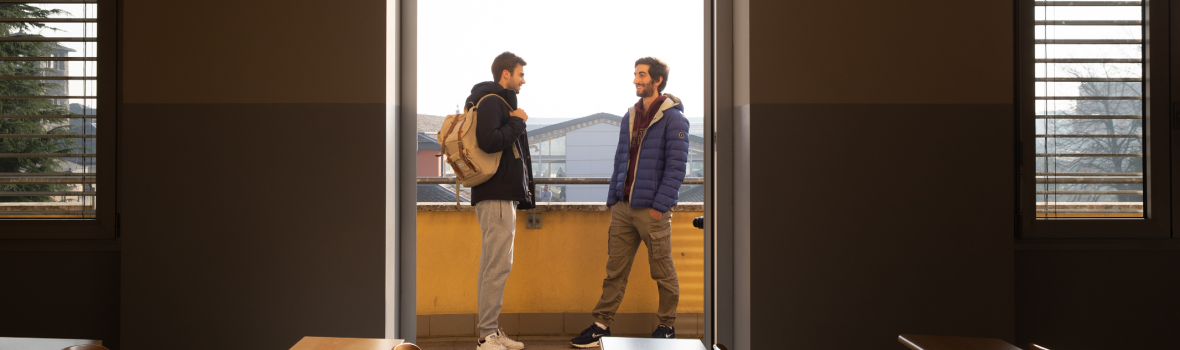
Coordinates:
[582,148]
[585,147]
[429,162]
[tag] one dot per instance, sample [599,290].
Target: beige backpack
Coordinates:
[471,164]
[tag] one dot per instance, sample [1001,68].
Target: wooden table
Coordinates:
[322,343]
[935,342]
[620,343]
[43,343]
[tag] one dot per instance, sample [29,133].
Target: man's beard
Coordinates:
[648,90]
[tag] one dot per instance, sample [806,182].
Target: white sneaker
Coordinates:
[491,342]
[506,342]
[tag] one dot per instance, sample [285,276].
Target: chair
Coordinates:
[86,347]
[937,342]
[407,346]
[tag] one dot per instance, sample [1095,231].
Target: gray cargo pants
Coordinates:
[497,222]
[629,226]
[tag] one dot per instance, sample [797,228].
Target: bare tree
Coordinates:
[1114,135]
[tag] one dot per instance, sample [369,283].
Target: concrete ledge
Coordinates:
[553,324]
[553,206]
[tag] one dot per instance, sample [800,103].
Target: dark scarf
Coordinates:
[639,123]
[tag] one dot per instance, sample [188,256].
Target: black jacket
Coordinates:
[498,131]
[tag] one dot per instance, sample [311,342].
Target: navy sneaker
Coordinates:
[590,336]
[664,332]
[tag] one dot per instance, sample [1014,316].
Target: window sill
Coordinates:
[79,245]
[1126,244]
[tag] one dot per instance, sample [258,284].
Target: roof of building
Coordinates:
[427,142]
[429,123]
[436,193]
[694,194]
[423,137]
[560,129]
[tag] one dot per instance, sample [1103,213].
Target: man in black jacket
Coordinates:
[500,127]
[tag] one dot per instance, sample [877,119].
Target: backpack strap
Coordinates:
[475,105]
[515,151]
[490,95]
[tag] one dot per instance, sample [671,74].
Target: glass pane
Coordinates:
[1088,32]
[558,169]
[1089,89]
[558,146]
[1089,131]
[1088,51]
[1059,13]
[48,144]
[55,29]
[550,193]
[59,10]
[1088,70]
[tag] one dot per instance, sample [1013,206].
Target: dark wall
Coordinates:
[252,169]
[881,140]
[48,291]
[1098,299]
[889,52]
[864,245]
[252,224]
[254,51]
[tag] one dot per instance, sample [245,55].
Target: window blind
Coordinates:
[48,109]
[1089,68]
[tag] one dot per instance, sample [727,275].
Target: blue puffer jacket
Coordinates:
[662,159]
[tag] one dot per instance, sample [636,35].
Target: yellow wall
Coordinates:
[556,269]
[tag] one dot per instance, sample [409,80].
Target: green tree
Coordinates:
[38,106]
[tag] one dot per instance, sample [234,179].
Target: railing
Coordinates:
[552,181]
[544,181]
[1089,209]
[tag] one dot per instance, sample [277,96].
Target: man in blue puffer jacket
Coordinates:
[649,167]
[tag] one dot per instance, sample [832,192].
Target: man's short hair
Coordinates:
[506,61]
[657,69]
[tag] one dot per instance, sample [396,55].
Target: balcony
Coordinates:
[559,264]
[1089,195]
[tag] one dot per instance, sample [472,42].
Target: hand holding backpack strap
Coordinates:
[515,147]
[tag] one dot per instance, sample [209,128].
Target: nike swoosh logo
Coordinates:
[596,335]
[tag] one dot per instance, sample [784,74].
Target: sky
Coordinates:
[1104,70]
[581,54]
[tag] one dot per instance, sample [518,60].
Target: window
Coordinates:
[551,147]
[550,193]
[1090,153]
[549,169]
[49,94]
[696,159]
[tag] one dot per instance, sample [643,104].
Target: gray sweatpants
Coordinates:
[497,222]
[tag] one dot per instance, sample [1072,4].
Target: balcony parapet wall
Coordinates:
[557,269]
[553,206]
